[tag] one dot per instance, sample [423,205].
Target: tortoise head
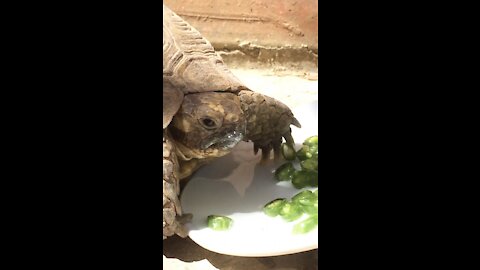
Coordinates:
[208,124]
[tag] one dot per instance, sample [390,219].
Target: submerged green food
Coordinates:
[306,201]
[305,197]
[310,209]
[288,152]
[219,223]
[285,172]
[304,178]
[311,141]
[304,153]
[313,179]
[291,211]
[310,164]
[306,225]
[308,157]
[273,208]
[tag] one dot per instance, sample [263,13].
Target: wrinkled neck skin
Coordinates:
[189,161]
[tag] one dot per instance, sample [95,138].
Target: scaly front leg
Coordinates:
[268,120]
[172,212]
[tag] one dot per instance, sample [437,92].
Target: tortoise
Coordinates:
[206,112]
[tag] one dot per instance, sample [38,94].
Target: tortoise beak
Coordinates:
[227,141]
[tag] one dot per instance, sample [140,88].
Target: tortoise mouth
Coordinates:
[223,142]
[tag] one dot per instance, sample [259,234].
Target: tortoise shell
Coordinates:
[190,62]
[190,65]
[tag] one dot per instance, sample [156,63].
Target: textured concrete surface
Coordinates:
[294,89]
[257,33]
[261,22]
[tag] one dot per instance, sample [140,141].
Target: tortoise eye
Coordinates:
[208,123]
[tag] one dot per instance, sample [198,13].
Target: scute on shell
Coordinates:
[190,63]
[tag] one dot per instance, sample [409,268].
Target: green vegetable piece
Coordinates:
[305,197]
[316,192]
[304,153]
[310,209]
[306,225]
[309,164]
[288,152]
[285,172]
[273,208]
[291,211]
[311,141]
[219,223]
[313,150]
[313,179]
[304,178]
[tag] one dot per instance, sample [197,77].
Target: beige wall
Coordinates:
[230,23]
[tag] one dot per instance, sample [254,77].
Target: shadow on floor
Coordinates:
[188,251]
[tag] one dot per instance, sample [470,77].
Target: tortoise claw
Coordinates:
[296,123]
[289,139]
[255,149]
[267,149]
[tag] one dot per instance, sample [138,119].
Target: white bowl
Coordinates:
[237,186]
